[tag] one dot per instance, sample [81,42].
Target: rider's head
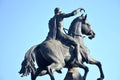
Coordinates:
[57,10]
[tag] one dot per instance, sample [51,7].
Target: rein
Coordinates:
[64,29]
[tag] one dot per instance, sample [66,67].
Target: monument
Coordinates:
[62,50]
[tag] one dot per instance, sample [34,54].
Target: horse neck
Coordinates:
[75,30]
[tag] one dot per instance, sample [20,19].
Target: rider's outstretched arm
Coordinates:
[72,13]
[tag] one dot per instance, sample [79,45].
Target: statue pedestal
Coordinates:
[73,74]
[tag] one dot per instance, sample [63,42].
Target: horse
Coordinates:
[52,55]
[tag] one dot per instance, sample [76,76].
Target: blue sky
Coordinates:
[24,23]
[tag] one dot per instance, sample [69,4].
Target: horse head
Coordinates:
[86,27]
[80,26]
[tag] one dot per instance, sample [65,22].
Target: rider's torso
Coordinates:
[59,22]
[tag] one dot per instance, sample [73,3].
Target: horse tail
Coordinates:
[28,65]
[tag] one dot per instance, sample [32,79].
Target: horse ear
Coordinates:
[81,15]
[85,16]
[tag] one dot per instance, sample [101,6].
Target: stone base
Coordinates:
[73,74]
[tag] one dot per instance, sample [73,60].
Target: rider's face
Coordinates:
[60,11]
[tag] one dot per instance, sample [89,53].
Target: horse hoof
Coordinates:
[102,77]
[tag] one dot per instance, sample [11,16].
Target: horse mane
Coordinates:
[74,26]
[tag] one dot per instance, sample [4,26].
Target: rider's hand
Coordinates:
[78,10]
[81,9]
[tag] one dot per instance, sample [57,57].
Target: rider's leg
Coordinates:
[84,52]
[77,50]
[85,55]
[76,45]
[70,40]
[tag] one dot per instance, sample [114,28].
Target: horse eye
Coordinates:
[87,24]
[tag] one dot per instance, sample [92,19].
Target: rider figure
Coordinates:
[56,29]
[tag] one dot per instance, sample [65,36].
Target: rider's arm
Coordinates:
[72,13]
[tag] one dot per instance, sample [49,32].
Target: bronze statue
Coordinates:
[57,52]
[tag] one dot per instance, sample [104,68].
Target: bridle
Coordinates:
[64,29]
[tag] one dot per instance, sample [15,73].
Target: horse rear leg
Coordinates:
[93,61]
[54,67]
[39,72]
[34,75]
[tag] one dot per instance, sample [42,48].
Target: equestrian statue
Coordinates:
[61,49]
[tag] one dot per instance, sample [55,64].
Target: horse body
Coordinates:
[52,55]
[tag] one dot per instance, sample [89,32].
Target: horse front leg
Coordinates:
[101,71]
[93,61]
